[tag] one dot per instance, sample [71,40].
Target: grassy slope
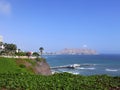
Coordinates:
[10,65]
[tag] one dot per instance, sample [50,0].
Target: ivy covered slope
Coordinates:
[63,81]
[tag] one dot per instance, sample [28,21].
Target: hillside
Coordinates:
[9,65]
[19,65]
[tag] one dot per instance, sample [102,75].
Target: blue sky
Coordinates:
[58,24]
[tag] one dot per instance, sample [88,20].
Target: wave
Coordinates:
[111,70]
[73,66]
[62,71]
[76,73]
[82,68]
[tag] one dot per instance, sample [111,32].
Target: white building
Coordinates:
[1,46]
[1,39]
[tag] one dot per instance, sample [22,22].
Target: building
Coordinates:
[1,39]
[1,47]
[1,44]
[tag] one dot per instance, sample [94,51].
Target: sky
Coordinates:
[59,24]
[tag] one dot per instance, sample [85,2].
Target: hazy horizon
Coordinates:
[59,24]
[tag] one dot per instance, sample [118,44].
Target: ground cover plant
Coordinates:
[61,81]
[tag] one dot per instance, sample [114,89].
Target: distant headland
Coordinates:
[74,51]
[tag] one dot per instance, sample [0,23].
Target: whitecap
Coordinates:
[111,70]
[92,68]
[76,73]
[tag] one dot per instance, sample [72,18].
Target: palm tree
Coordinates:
[41,50]
[19,50]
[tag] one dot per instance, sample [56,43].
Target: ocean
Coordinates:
[89,64]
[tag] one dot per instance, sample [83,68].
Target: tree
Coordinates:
[21,54]
[28,54]
[19,50]
[10,49]
[2,53]
[1,46]
[36,54]
[41,50]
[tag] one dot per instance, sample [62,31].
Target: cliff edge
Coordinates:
[42,68]
[36,66]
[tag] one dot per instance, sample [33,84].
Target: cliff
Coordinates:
[36,66]
[42,68]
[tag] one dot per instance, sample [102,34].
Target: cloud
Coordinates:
[5,7]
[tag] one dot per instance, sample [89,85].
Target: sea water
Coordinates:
[90,64]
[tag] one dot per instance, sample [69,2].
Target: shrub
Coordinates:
[22,66]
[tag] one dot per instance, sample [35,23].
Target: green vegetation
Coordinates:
[9,49]
[40,59]
[10,65]
[18,65]
[35,54]
[62,81]
[21,54]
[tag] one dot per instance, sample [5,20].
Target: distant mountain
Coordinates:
[77,51]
